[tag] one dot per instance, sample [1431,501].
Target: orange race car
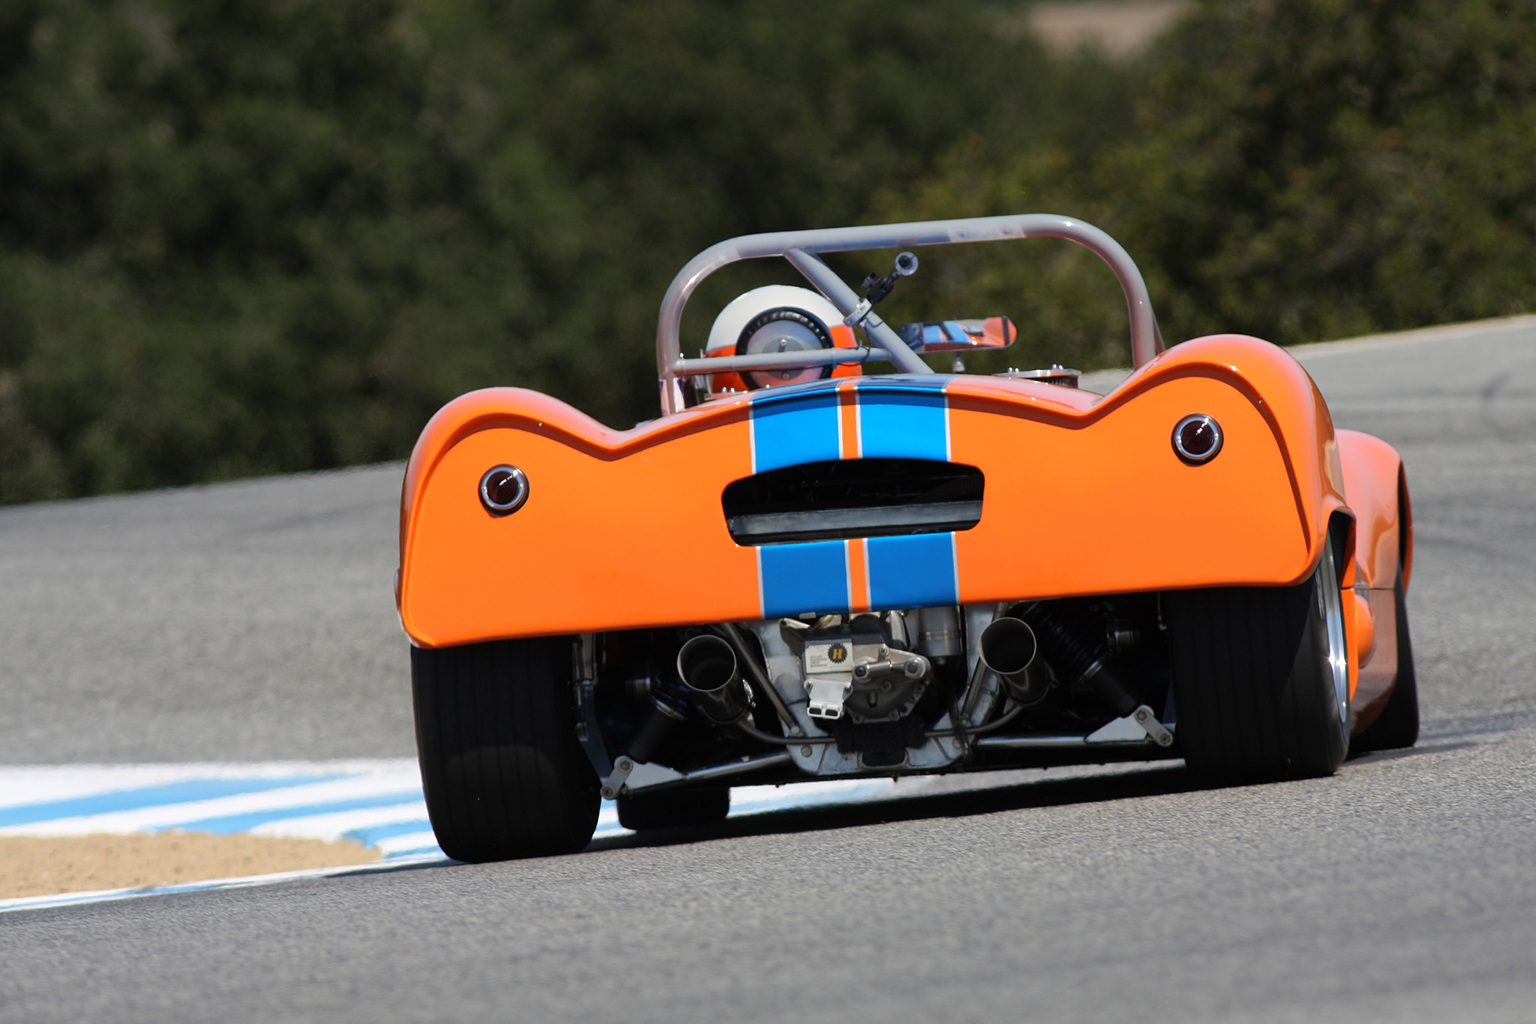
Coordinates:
[800,571]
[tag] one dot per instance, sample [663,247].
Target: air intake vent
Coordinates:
[853,498]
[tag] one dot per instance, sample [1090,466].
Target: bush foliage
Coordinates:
[1309,169]
[239,238]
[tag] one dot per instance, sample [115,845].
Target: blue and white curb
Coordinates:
[377,803]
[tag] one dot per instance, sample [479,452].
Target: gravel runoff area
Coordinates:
[36,866]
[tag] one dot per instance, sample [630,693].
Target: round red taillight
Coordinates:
[503,489]
[1197,439]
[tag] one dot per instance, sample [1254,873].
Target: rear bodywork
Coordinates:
[945,499]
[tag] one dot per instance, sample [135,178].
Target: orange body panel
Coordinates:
[1106,506]
[1083,495]
[603,527]
[1373,474]
[1373,481]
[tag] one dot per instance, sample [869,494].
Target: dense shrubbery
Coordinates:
[1299,170]
[1310,169]
[250,237]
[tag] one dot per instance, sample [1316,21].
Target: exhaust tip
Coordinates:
[708,667]
[707,664]
[1008,646]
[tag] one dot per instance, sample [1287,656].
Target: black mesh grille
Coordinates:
[853,498]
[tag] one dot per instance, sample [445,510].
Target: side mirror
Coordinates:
[959,335]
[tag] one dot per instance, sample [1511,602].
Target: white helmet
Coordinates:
[775,318]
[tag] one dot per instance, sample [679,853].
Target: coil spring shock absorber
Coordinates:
[1076,659]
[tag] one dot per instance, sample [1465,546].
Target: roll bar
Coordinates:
[803,250]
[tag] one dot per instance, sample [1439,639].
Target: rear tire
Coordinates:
[495,730]
[673,809]
[1398,724]
[1260,677]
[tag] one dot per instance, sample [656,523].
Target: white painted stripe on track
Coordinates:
[30,786]
[334,826]
[155,818]
[411,842]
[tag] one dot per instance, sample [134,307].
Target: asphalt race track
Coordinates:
[253,621]
[239,622]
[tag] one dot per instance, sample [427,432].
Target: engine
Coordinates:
[880,692]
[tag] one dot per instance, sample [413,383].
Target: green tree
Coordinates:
[273,236]
[242,238]
[1311,169]
[1298,169]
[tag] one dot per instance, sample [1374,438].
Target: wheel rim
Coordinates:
[1331,604]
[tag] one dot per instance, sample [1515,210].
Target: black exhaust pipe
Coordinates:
[708,666]
[1008,648]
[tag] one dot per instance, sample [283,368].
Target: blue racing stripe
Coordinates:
[378,833]
[793,427]
[803,578]
[229,824]
[912,572]
[903,419]
[150,796]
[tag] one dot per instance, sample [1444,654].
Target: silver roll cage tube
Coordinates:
[803,250]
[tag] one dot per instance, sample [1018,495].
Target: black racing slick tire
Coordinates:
[1398,724]
[673,808]
[1261,678]
[495,731]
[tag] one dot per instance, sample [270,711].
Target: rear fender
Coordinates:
[1377,491]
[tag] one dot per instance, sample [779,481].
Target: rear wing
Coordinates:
[803,250]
